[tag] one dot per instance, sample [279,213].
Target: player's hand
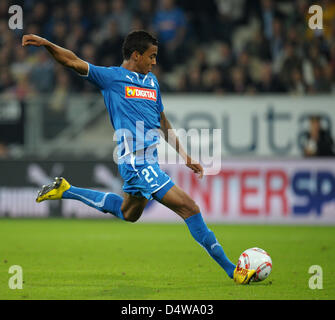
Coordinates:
[195,167]
[33,40]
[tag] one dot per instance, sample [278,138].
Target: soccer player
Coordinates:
[133,100]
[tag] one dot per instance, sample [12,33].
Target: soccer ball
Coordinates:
[257,259]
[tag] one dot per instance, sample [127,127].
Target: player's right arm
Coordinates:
[64,56]
[171,138]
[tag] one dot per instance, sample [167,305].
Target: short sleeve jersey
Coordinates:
[134,104]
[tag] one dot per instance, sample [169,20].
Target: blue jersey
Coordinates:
[134,104]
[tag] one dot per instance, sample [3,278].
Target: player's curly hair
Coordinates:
[137,41]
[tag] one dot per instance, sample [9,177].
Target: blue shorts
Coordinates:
[146,180]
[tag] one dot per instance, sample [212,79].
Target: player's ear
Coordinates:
[135,55]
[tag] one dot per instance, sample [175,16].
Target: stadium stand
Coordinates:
[217,46]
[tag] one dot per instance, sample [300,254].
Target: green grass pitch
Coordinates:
[107,259]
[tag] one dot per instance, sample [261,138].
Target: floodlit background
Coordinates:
[253,69]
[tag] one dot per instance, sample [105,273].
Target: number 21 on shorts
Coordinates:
[148,175]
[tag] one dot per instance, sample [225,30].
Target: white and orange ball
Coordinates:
[257,259]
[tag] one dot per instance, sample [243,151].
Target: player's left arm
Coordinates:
[171,138]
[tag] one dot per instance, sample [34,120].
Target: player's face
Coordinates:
[147,60]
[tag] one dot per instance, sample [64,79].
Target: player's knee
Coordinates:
[191,208]
[194,208]
[131,219]
[131,215]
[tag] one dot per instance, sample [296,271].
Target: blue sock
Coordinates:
[206,239]
[105,202]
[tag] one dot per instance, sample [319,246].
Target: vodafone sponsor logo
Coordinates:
[140,93]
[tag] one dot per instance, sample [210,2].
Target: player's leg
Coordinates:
[132,207]
[179,201]
[128,208]
[104,202]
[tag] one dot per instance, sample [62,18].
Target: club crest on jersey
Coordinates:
[141,93]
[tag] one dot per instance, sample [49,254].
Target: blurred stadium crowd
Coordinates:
[217,46]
